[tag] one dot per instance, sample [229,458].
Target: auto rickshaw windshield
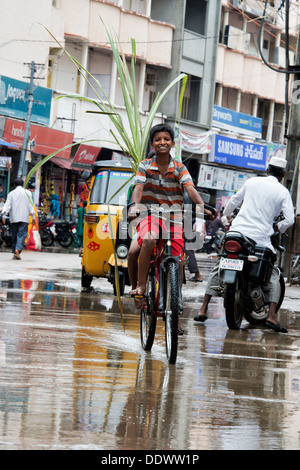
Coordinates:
[106,187]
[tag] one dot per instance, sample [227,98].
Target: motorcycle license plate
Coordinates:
[233,264]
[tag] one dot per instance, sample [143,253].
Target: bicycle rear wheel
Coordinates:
[148,319]
[171,311]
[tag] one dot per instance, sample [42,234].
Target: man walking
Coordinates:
[18,205]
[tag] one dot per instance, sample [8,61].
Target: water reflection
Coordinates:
[71,376]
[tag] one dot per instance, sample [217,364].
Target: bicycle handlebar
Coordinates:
[171,210]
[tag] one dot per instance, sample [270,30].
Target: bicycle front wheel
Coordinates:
[172,311]
[148,319]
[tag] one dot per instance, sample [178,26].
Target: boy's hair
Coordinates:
[161,128]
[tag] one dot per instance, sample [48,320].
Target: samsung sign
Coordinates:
[230,120]
[238,153]
[14,100]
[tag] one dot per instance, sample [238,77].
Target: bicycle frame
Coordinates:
[161,258]
[162,300]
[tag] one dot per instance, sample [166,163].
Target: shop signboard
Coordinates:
[14,100]
[85,156]
[228,151]
[43,140]
[5,162]
[223,179]
[241,123]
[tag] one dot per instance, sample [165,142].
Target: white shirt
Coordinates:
[18,205]
[263,199]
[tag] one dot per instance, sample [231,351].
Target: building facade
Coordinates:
[35,35]
[253,96]
[235,104]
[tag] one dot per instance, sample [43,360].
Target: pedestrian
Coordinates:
[262,200]
[193,266]
[217,228]
[2,200]
[18,205]
[79,227]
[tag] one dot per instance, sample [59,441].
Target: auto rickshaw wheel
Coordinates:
[86,279]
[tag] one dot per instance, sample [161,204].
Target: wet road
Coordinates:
[72,378]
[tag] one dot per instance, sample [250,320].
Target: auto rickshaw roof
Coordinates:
[114,164]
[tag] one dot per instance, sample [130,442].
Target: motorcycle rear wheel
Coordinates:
[47,237]
[255,319]
[233,304]
[65,239]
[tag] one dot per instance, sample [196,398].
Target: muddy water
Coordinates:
[72,377]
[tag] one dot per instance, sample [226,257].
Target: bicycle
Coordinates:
[163,296]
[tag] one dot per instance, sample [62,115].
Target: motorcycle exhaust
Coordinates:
[257,296]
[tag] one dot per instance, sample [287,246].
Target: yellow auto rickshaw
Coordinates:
[110,182]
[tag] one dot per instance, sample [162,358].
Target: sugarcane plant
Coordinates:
[134,143]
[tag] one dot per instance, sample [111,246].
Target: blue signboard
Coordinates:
[238,153]
[14,100]
[238,122]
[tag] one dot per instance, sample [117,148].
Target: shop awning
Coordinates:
[7,144]
[63,163]
[43,139]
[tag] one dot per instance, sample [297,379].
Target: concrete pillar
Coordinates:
[238,101]
[84,63]
[255,106]
[219,96]
[141,84]
[271,121]
[113,81]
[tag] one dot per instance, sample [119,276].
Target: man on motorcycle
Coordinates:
[262,200]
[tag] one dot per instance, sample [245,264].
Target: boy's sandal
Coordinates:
[138,301]
[201,318]
[194,279]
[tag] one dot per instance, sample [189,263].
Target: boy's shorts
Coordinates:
[158,228]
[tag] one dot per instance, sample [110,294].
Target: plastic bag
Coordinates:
[34,240]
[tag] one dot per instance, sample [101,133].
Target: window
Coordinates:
[100,68]
[195,16]
[190,104]
[108,184]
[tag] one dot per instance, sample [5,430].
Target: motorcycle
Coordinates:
[5,234]
[211,242]
[62,232]
[244,269]
[46,231]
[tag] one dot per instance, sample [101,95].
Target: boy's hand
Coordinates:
[210,214]
[133,212]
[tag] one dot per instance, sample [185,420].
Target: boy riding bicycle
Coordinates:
[159,180]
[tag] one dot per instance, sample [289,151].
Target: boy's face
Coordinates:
[162,143]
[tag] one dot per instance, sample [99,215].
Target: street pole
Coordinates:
[292,152]
[22,163]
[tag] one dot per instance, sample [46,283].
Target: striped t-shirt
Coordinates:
[162,189]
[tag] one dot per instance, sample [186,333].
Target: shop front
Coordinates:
[230,163]
[65,175]
[43,141]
